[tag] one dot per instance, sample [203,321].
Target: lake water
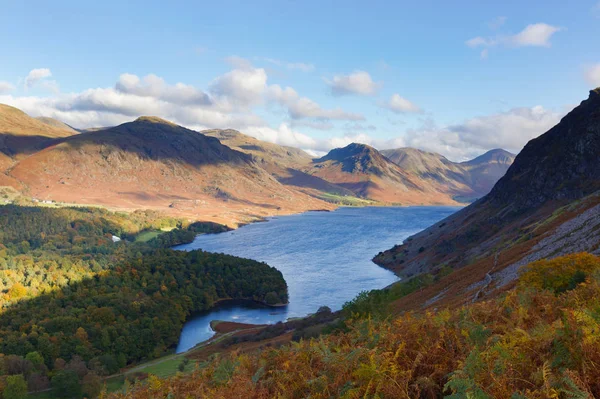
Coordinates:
[325,258]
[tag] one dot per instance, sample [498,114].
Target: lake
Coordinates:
[325,258]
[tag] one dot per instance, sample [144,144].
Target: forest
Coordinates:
[537,340]
[76,306]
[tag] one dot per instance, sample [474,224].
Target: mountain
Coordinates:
[547,204]
[485,170]
[21,135]
[261,151]
[56,123]
[368,174]
[152,163]
[286,164]
[465,181]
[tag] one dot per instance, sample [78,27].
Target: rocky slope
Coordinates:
[533,209]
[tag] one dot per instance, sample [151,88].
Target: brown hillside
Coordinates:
[366,172]
[284,163]
[465,181]
[152,163]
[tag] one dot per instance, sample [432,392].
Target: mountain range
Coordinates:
[546,205]
[222,175]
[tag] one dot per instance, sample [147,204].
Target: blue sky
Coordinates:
[456,77]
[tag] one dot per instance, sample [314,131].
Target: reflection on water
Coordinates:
[325,258]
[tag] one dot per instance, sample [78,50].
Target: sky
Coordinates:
[457,78]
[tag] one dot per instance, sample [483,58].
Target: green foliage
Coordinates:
[15,387]
[71,297]
[65,384]
[376,303]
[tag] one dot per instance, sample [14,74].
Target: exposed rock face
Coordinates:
[553,170]
[562,164]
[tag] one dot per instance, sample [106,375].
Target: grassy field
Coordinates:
[147,235]
[345,200]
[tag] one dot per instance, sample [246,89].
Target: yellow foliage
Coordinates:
[527,343]
[559,274]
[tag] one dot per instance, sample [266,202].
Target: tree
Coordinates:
[35,358]
[66,384]
[16,387]
[91,385]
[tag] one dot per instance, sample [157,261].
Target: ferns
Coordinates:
[527,344]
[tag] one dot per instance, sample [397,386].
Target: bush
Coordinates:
[16,387]
[559,274]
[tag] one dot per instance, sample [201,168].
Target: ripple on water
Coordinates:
[325,258]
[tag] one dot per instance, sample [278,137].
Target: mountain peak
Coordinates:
[352,150]
[496,155]
[153,119]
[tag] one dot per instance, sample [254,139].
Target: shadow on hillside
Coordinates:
[149,140]
[14,145]
[300,179]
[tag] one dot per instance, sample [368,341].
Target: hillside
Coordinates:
[464,181]
[152,163]
[22,135]
[286,164]
[485,170]
[261,151]
[56,123]
[546,205]
[368,174]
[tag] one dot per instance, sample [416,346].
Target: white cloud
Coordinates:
[317,125]
[400,105]
[358,82]
[154,86]
[241,87]
[6,87]
[534,35]
[300,66]
[229,102]
[302,107]
[596,9]
[283,135]
[509,130]
[592,75]
[35,75]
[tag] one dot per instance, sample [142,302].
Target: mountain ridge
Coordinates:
[544,206]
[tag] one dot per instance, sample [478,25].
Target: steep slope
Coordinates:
[485,170]
[464,181]
[366,172]
[261,151]
[21,135]
[284,163]
[56,123]
[546,205]
[152,163]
